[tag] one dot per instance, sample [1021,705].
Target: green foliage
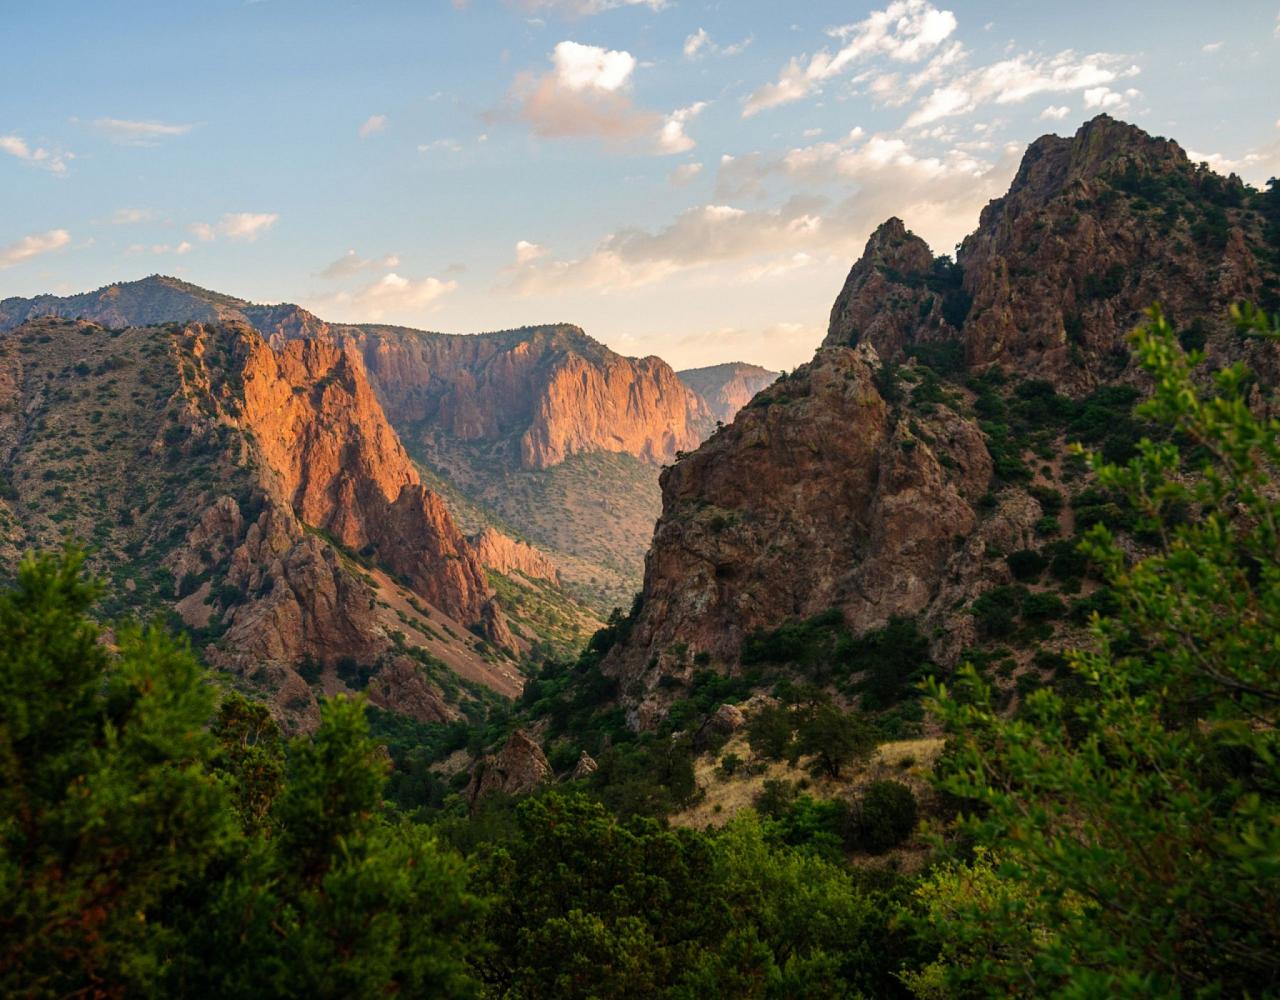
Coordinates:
[834,738]
[150,846]
[885,816]
[1137,828]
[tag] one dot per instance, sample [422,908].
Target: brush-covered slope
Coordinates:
[258,494]
[916,468]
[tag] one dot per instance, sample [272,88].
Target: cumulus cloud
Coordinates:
[526,251]
[587,93]
[351,263]
[905,31]
[1020,77]
[939,196]
[244,226]
[1211,47]
[440,146]
[36,156]
[33,246]
[373,125]
[129,132]
[1054,114]
[672,137]
[391,296]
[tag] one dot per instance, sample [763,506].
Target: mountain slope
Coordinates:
[260,495]
[916,466]
[547,433]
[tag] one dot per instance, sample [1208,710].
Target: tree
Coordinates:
[149,847]
[1143,826]
[834,738]
[106,806]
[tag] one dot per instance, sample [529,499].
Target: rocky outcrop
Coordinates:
[400,686]
[844,487]
[517,769]
[503,554]
[727,388]
[816,496]
[324,438]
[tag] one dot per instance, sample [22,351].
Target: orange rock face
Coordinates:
[506,555]
[322,432]
[547,393]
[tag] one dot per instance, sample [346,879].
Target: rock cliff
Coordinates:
[504,554]
[893,473]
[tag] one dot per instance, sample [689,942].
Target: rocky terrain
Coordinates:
[917,463]
[542,431]
[258,494]
[727,388]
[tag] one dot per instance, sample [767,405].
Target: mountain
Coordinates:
[258,494]
[727,388]
[540,432]
[916,470]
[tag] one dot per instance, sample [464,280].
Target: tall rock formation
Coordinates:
[864,483]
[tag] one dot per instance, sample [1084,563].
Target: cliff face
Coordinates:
[868,483]
[727,388]
[323,435]
[1095,228]
[506,555]
[210,472]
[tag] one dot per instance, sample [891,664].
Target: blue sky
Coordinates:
[680,178]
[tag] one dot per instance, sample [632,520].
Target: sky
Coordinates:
[680,178]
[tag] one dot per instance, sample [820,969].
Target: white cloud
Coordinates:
[939,197]
[589,67]
[15,145]
[1256,166]
[700,43]
[392,295]
[440,146]
[246,226]
[587,8]
[163,248]
[1211,47]
[1102,97]
[373,125]
[1054,114]
[526,251]
[905,31]
[33,246]
[138,133]
[351,263]
[685,173]
[696,42]
[586,93]
[1015,79]
[672,137]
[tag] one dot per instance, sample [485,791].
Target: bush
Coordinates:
[1026,564]
[885,816]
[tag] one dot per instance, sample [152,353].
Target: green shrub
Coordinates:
[884,817]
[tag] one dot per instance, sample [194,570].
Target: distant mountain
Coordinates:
[916,470]
[729,387]
[542,431]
